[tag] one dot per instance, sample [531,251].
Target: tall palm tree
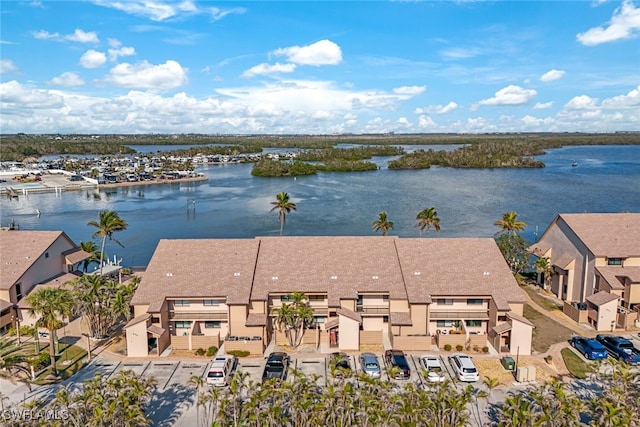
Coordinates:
[509,223]
[50,305]
[291,318]
[382,223]
[426,218]
[93,249]
[108,223]
[284,206]
[543,266]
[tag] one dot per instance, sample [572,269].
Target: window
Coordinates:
[475,301]
[211,302]
[18,291]
[318,319]
[614,261]
[444,301]
[385,319]
[473,323]
[385,298]
[209,324]
[316,297]
[155,320]
[444,323]
[359,300]
[46,254]
[181,303]
[502,318]
[184,324]
[286,298]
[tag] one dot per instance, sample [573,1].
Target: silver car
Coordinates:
[433,367]
[370,365]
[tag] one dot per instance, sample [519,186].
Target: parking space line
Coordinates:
[170,376]
[447,367]
[418,370]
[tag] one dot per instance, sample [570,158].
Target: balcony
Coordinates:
[459,314]
[373,309]
[198,315]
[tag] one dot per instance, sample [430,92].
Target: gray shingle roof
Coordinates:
[607,234]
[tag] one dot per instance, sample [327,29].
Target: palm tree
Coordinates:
[509,223]
[382,223]
[292,318]
[50,305]
[543,266]
[284,207]
[93,249]
[426,218]
[109,222]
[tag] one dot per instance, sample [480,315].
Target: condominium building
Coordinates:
[386,291]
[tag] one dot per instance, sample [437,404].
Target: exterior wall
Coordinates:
[137,340]
[370,338]
[607,316]
[6,319]
[139,310]
[43,268]
[373,324]
[632,261]
[349,304]
[399,305]
[255,348]
[349,334]
[632,294]
[517,308]
[579,316]
[419,320]
[237,319]
[406,343]
[520,338]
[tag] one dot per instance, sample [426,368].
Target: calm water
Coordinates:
[234,204]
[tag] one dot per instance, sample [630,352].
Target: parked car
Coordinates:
[433,368]
[276,367]
[463,367]
[589,347]
[369,364]
[221,370]
[340,364]
[396,358]
[620,348]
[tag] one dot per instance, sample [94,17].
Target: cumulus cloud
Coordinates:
[160,10]
[425,122]
[409,90]
[624,24]
[67,79]
[269,69]
[92,59]
[629,101]
[437,109]
[510,95]
[78,35]
[543,105]
[582,102]
[15,96]
[114,54]
[144,75]
[552,75]
[323,52]
[7,66]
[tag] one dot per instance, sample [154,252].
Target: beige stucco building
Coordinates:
[29,259]
[406,293]
[591,254]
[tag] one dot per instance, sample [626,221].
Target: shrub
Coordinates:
[200,352]
[476,348]
[239,353]
[548,358]
[447,347]
[212,350]
[485,349]
[459,347]
[40,361]
[25,330]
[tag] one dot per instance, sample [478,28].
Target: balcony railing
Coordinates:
[459,314]
[198,315]
[372,309]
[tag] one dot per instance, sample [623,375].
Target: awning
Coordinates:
[502,328]
[155,330]
[332,323]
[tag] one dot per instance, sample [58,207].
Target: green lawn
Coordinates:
[575,364]
[70,361]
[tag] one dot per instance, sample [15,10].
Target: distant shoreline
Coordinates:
[154,182]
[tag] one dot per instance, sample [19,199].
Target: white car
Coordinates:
[434,369]
[464,368]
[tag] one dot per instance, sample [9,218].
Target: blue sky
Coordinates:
[319,67]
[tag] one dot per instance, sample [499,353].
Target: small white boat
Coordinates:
[574,164]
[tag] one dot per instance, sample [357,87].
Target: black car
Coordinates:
[396,358]
[340,365]
[276,367]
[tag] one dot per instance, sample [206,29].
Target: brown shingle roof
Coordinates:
[400,318]
[521,319]
[19,249]
[75,255]
[350,314]
[156,330]
[5,304]
[256,319]
[613,275]
[138,319]
[340,266]
[198,268]
[607,234]
[601,298]
[564,260]
[502,328]
[451,267]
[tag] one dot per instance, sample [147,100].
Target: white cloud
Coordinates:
[510,95]
[268,69]
[437,109]
[409,90]
[426,122]
[552,75]
[78,35]
[92,59]
[624,24]
[543,105]
[17,97]
[115,53]
[582,102]
[67,79]
[403,123]
[83,37]
[159,10]
[167,76]
[323,52]
[7,66]
[630,100]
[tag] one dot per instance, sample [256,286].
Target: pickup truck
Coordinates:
[620,348]
[276,367]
